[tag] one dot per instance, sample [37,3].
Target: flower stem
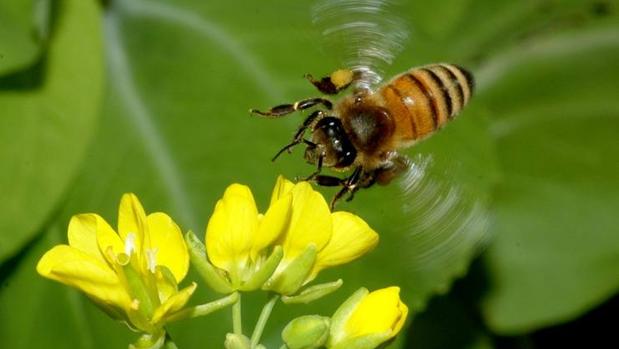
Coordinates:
[262,320]
[204,309]
[169,343]
[237,324]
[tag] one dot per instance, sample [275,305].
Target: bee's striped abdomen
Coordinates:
[423,99]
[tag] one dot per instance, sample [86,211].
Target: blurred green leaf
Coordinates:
[555,253]
[44,130]
[23,31]
[59,316]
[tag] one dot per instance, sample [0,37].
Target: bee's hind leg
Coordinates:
[334,83]
[285,109]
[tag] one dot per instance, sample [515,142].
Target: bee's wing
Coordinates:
[447,221]
[364,34]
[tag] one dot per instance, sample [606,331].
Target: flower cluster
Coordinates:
[134,273]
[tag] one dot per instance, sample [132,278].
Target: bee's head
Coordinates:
[331,143]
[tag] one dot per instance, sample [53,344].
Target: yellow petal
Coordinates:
[85,232]
[352,237]
[232,227]
[132,219]
[174,303]
[379,312]
[273,224]
[282,187]
[166,239]
[310,222]
[89,274]
[106,237]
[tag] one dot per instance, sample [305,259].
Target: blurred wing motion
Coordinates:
[448,221]
[363,34]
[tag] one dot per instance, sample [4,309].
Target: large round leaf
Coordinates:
[556,247]
[46,124]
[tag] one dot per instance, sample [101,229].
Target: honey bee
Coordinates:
[364,130]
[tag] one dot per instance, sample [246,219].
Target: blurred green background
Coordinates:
[151,96]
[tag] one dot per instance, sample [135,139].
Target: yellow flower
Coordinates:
[133,274]
[238,238]
[315,239]
[366,320]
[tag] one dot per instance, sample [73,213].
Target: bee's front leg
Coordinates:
[298,136]
[285,109]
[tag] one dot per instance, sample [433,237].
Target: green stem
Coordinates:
[169,343]
[237,325]
[262,321]
[204,309]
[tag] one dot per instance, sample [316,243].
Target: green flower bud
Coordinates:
[313,293]
[149,341]
[236,341]
[306,332]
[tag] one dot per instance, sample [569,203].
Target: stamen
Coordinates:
[151,259]
[135,304]
[130,243]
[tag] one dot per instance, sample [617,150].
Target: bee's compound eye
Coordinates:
[347,157]
[338,150]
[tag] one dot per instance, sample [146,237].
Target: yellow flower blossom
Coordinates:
[132,274]
[366,320]
[315,239]
[238,238]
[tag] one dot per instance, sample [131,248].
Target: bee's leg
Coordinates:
[396,166]
[334,83]
[348,184]
[298,136]
[285,109]
[318,169]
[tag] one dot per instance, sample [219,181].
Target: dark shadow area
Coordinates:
[11,264]
[452,321]
[596,329]
[31,78]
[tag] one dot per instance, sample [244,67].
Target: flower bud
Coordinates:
[366,320]
[236,341]
[313,293]
[306,332]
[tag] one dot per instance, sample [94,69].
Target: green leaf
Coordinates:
[23,31]
[556,242]
[44,129]
[59,316]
